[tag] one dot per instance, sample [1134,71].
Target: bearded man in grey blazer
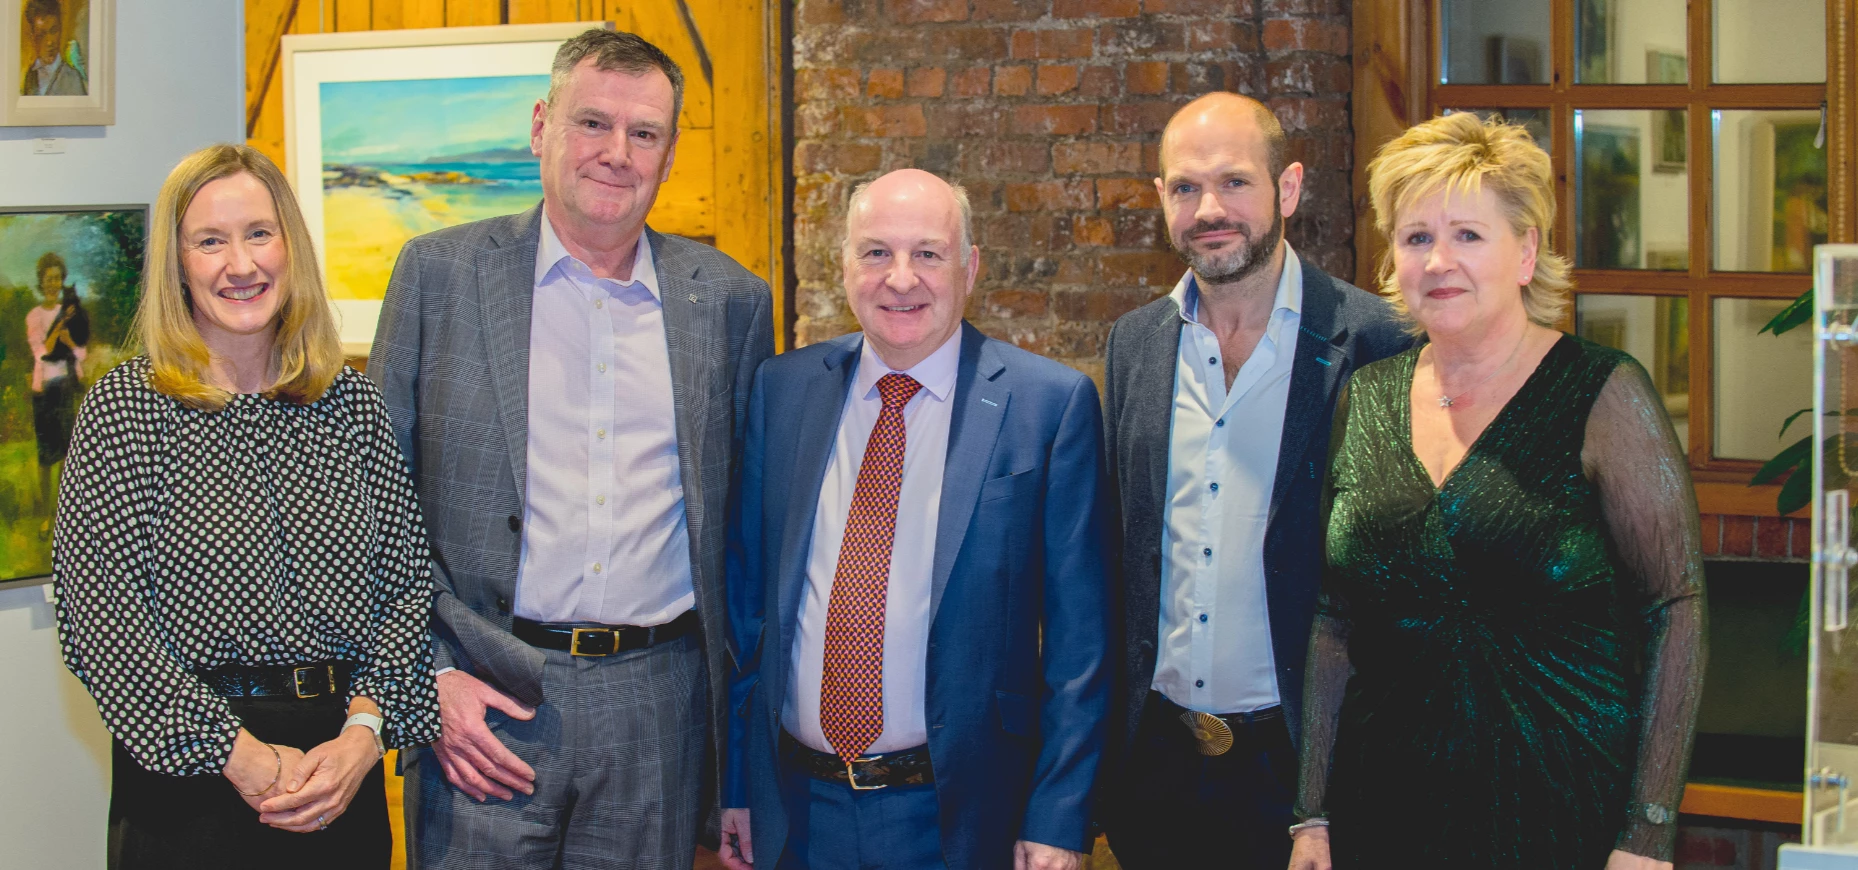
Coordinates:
[569,387]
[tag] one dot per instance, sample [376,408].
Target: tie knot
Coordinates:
[896,389]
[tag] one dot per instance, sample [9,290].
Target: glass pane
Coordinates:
[1656,331]
[1761,378]
[1536,121]
[1770,41]
[1621,42]
[1770,196]
[1632,189]
[1832,696]
[1493,42]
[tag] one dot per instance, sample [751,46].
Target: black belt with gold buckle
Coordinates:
[903,767]
[303,682]
[588,639]
[1213,733]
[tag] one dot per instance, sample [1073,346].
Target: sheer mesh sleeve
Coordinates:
[1632,455]
[1328,670]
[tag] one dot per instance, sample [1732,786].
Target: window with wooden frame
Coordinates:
[1700,153]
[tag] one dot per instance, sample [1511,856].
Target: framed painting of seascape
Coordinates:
[391,134]
[69,280]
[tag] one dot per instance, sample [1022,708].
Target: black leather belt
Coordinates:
[1213,732]
[593,639]
[903,767]
[319,680]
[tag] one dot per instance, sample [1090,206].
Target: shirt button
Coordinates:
[599,499]
[1214,487]
[601,367]
[1199,684]
[600,434]
[599,303]
[1207,551]
[596,567]
[1212,360]
[1221,424]
[516,525]
[1202,617]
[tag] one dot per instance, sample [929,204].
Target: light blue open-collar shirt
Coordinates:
[1214,653]
[604,533]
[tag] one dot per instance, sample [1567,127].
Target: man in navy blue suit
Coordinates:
[917,579]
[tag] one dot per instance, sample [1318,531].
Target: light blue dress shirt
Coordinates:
[604,533]
[1214,653]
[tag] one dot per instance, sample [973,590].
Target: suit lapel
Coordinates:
[974,426]
[694,325]
[506,297]
[1150,396]
[1314,375]
[818,427]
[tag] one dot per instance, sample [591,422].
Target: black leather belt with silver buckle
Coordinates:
[903,767]
[588,639]
[319,680]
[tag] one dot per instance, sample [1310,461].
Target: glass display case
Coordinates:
[1829,823]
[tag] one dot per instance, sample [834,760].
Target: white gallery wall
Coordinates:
[180,68]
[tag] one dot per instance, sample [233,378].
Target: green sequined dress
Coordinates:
[1505,669]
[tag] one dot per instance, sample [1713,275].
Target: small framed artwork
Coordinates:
[57,63]
[70,278]
[392,134]
[1670,138]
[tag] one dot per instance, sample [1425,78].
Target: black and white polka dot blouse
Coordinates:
[267,533]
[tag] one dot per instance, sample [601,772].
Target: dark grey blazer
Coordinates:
[452,358]
[1343,328]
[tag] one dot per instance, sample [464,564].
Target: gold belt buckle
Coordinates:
[852,776]
[297,677]
[1211,733]
[574,642]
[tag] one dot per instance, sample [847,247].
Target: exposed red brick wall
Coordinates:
[1049,112]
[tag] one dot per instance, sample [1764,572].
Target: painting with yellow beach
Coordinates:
[402,158]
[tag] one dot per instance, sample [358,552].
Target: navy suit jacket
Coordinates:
[1342,329]
[1016,727]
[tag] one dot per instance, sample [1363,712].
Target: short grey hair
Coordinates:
[966,250]
[616,51]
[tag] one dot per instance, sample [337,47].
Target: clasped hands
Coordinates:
[738,850]
[1311,852]
[308,790]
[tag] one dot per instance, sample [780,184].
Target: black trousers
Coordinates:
[1172,808]
[159,821]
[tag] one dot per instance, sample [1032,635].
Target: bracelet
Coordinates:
[1307,824]
[280,775]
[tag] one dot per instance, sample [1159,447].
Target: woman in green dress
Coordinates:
[1509,649]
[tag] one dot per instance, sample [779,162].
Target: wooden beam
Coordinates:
[422,13]
[746,146]
[473,13]
[545,11]
[1389,96]
[1735,802]
[266,21]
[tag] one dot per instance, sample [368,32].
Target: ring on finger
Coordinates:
[321,824]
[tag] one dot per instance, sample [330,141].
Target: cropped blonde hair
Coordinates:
[1463,153]
[307,346]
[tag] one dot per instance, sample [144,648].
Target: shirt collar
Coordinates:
[551,253]
[1186,293]
[936,372]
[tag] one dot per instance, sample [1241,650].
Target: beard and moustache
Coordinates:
[1230,264]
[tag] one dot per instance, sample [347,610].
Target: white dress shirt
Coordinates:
[604,533]
[1215,653]
[912,554]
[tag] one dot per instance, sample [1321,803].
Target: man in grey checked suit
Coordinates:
[570,387]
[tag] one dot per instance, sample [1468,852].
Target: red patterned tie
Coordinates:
[851,697]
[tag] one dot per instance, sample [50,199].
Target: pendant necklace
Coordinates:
[1447,401]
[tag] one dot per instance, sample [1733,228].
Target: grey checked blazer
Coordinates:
[451,356]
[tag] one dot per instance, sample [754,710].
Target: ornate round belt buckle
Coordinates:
[1211,733]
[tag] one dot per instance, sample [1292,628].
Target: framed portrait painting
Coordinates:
[57,63]
[69,282]
[392,134]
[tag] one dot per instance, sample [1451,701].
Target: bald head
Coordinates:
[917,186]
[1226,115]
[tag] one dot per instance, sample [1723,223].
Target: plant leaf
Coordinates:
[1797,492]
[1796,313]
[1798,454]
[1792,417]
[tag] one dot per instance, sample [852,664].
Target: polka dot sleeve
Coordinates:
[266,533]
[109,498]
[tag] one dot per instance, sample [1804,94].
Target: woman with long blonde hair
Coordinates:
[242,578]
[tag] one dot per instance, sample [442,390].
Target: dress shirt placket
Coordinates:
[601,405]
